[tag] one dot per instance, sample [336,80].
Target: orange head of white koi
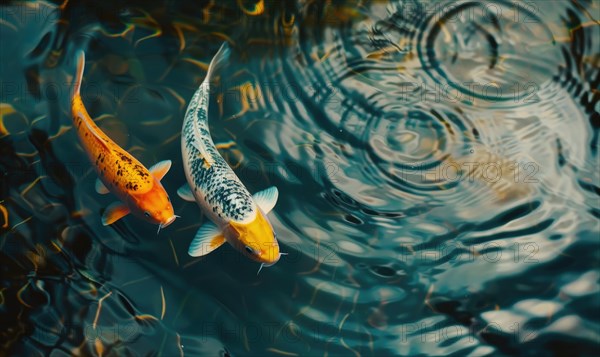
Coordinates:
[154,206]
[256,239]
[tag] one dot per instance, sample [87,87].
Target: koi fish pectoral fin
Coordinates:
[114,212]
[160,169]
[185,192]
[266,199]
[207,239]
[100,188]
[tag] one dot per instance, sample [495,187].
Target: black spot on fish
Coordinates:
[140,171]
[124,158]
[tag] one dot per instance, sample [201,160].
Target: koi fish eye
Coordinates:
[147,214]
[249,250]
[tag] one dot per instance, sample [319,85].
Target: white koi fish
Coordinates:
[235,216]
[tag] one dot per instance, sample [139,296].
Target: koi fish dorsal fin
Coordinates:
[160,169]
[266,199]
[94,131]
[207,239]
[80,114]
[206,158]
[79,73]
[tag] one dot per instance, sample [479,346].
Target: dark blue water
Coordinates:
[437,164]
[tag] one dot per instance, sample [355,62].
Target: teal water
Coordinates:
[437,164]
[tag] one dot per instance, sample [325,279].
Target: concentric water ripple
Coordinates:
[476,48]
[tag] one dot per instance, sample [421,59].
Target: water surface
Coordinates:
[437,164]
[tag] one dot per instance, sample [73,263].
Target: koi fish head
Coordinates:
[155,206]
[256,239]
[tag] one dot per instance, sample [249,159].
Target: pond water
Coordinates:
[437,164]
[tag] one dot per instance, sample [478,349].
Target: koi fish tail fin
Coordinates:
[79,73]
[218,60]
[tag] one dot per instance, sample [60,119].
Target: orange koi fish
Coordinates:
[138,188]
